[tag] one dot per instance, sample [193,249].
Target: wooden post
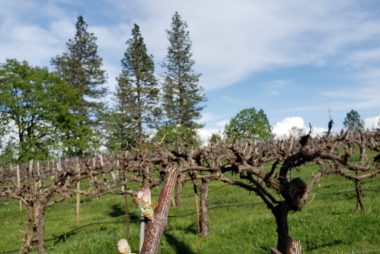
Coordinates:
[19,183]
[59,169]
[78,191]
[142,232]
[154,229]
[96,179]
[39,183]
[52,172]
[196,202]
[126,208]
[204,208]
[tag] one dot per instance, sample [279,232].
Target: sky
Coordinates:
[300,61]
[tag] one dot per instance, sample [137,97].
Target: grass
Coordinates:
[239,223]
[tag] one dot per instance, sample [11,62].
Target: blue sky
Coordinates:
[295,59]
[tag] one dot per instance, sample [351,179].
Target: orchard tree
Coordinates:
[183,96]
[117,133]
[215,138]
[137,93]
[81,67]
[353,121]
[248,124]
[34,107]
[176,136]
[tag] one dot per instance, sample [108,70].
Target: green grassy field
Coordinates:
[239,223]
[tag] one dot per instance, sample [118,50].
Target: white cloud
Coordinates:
[361,57]
[363,95]
[222,123]
[288,125]
[283,127]
[214,125]
[372,122]
[274,87]
[233,39]
[206,133]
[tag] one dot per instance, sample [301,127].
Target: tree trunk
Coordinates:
[34,229]
[39,213]
[284,241]
[26,244]
[359,196]
[204,208]
[126,212]
[154,229]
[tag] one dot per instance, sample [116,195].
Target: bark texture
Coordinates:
[154,229]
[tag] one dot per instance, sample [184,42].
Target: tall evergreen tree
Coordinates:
[137,92]
[182,93]
[81,67]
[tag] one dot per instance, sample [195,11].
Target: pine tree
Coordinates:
[81,67]
[137,91]
[182,93]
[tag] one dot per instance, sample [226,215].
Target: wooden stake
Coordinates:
[204,208]
[78,192]
[19,183]
[196,202]
[52,172]
[39,175]
[142,232]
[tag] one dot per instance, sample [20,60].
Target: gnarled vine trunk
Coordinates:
[34,229]
[284,241]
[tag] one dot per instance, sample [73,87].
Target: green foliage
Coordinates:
[353,121]
[248,124]
[137,95]
[176,136]
[117,134]
[182,93]
[8,154]
[215,138]
[34,107]
[81,67]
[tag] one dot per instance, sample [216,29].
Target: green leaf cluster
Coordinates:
[176,136]
[35,109]
[353,121]
[248,124]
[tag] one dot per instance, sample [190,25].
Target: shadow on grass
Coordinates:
[312,246]
[309,246]
[177,245]
[118,211]
[64,236]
